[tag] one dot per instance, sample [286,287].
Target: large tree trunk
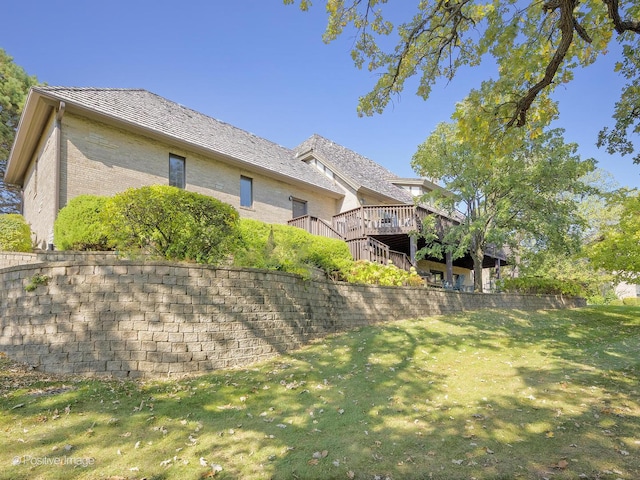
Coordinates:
[477,254]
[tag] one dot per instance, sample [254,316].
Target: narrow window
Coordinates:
[299,207]
[176,171]
[246,192]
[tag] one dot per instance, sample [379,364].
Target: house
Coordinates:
[627,290]
[73,141]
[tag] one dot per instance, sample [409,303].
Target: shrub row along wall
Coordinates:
[137,318]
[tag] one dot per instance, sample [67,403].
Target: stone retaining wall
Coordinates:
[99,315]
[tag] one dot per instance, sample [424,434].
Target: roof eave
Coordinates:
[34,116]
[49,99]
[382,196]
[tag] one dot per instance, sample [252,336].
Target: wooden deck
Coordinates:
[358,227]
[379,220]
[373,231]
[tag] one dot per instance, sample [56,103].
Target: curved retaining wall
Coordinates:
[100,315]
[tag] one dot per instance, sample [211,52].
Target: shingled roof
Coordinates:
[355,168]
[154,113]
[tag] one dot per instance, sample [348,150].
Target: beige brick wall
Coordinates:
[429,265]
[103,160]
[98,315]
[39,188]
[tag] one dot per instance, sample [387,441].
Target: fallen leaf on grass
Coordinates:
[561,465]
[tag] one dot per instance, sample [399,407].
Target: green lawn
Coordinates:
[485,395]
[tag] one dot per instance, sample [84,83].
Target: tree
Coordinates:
[617,249]
[524,189]
[627,110]
[14,86]
[571,267]
[536,46]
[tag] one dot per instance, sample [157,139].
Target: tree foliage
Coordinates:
[15,233]
[617,250]
[535,46]
[14,86]
[525,188]
[546,263]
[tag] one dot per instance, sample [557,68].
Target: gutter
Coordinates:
[58,161]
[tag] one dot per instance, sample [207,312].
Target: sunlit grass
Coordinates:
[486,395]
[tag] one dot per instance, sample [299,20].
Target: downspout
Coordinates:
[56,173]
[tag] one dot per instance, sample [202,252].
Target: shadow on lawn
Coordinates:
[486,395]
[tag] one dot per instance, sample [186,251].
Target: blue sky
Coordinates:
[263,67]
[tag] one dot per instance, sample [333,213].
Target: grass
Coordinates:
[485,395]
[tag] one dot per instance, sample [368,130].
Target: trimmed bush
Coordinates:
[290,249]
[542,286]
[81,226]
[364,271]
[15,233]
[173,224]
[631,301]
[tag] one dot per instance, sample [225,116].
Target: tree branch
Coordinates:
[620,25]
[566,23]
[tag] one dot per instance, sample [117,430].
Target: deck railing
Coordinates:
[377,220]
[375,251]
[316,226]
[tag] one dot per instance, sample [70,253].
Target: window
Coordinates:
[299,207]
[246,192]
[415,190]
[176,171]
[322,167]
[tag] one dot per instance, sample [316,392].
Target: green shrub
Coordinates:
[631,301]
[290,249]
[364,271]
[15,233]
[173,224]
[81,226]
[541,286]
[602,299]
[331,255]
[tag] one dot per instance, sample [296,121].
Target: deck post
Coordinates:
[413,248]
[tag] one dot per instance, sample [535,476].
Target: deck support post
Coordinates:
[413,249]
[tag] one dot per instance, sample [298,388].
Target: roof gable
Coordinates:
[359,171]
